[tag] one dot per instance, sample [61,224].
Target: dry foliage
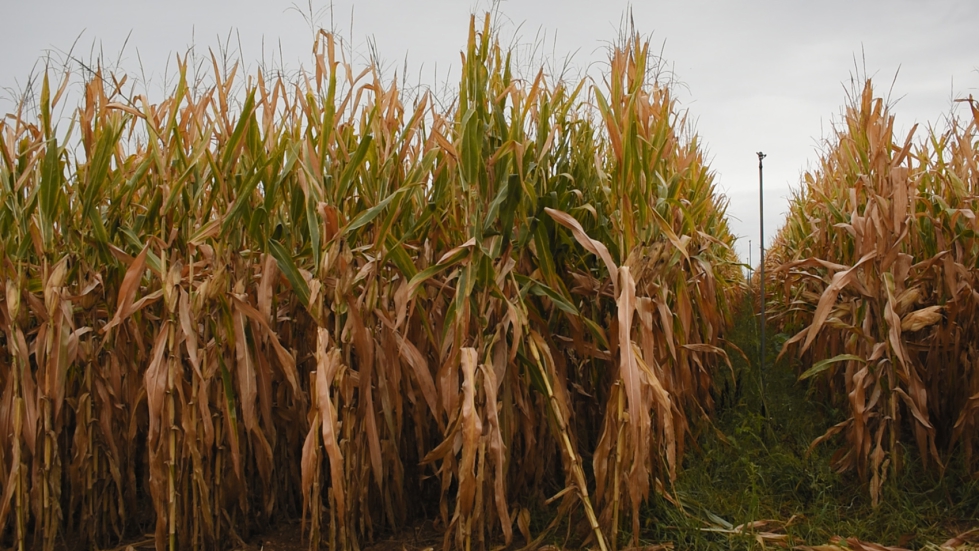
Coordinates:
[325,302]
[878,264]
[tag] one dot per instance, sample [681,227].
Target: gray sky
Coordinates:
[765,75]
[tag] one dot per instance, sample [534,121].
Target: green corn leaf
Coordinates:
[50,191]
[542,290]
[288,267]
[823,365]
[353,165]
[233,147]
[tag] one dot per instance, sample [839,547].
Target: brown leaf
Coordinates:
[919,319]
[857,545]
[309,465]
[127,291]
[471,429]
[496,450]
[286,360]
[421,371]
[155,382]
[523,523]
[591,245]
[190,334]
[245,373]
[327,365]
[828,298]
[628,368]
[270,272]
[894,323]
[364,346]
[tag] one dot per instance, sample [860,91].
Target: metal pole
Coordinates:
[761,279]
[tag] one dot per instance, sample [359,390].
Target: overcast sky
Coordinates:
[757,76]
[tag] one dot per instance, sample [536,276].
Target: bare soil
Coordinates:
[288,536]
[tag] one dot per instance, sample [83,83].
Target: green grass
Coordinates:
[756,468]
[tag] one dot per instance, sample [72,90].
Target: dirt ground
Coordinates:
[288,536]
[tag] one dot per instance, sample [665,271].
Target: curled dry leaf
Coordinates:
[919,319]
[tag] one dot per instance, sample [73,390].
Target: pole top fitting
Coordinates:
[761,155]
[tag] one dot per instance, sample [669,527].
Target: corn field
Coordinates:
[321,299]
[876,272]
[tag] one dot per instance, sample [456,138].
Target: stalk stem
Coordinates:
[761,280]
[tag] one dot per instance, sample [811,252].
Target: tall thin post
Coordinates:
[761,279]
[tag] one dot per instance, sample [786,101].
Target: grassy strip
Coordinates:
[756,469]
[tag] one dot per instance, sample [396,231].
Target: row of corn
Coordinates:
[875,274]
[268,299]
